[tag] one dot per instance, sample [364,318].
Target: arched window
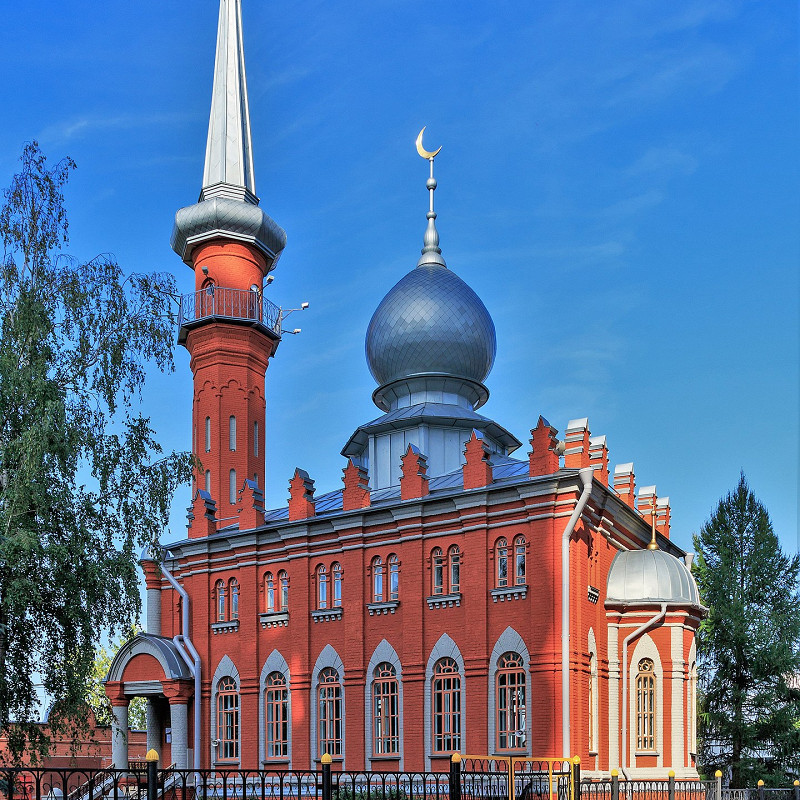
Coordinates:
[437,558]
[222,605]
[269,591]
[232,487]
[519,560]
[377,580]
[336,569]
[208,434]
[385,711]
[232,433]
[277,716]
[283,580]
[394,577]
[329,718]
[646,706]
[591,703]
[446,701]
[511,707]
[255,438]
[227,720]
[501,555]
[208,481]
[322,589]
[454,556]
[234,590]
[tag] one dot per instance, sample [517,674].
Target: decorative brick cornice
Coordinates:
[301,496]
[356,487]
[202,515]
[543,458]
[576,438]
[477,470]
[251,513]
[598,458]
[414,480]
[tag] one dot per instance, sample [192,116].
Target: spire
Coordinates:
[229,152]
[431,252]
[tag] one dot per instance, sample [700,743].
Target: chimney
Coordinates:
[663,516]
[414,481]
[598,458]
[625,483]
[356,487]
[301,496]
[251,514]
[576,438]
[543,458]
[647,502]
[477,470]
[202,515]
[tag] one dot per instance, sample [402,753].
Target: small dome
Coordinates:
[430,322]
[650,576]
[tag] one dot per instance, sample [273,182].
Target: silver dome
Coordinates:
[430,322]
[650,576]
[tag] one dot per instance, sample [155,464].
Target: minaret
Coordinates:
[230,329]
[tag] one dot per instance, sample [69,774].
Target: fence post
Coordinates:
[152,774]
[576,778]
[761,790]
[455,777]
[718,776]
[327,787]
[797,790]
[614,784]
[671,775]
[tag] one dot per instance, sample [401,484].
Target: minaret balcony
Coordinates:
[219,304]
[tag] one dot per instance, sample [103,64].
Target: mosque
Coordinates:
[461,591]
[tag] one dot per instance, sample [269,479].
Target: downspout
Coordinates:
[586,478]
[194,663]
[625,710]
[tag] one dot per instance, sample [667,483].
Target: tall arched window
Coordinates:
[329,717]
[208,481]
[646,706]
[437,559]
[336,570]
[283,580]
[377,580]
[232,478]
[322,588]
[255,438]
[222,604]
[519,560]
[227,720]
[591,702]
[446,702]
[232,433]
[277,716]
[394,577]
[454,556]
[385,711]
[234,590]
[269,591]
[208,434]
[511,707]
[501,555]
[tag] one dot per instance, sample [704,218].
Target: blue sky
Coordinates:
[618,182]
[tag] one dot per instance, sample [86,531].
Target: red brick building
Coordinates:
[449,596]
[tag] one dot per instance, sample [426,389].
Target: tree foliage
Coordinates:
[749,645]
[83,482]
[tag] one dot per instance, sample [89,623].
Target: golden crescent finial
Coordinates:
[422,151]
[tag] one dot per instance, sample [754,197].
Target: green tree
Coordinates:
[749,645]
[83,482]
[95,694]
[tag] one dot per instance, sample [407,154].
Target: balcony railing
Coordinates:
[218,302]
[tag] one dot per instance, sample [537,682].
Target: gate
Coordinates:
[509,778]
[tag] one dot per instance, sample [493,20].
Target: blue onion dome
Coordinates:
[430,323]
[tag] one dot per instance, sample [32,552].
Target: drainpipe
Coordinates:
[625,642]
[193,663]
[586,478]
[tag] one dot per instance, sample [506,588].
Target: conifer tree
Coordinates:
[748,646]
[84,485]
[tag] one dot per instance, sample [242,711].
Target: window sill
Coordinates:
[274,619]
[510,593]
[225,627]
[444,600]
[383,608]
[647,753]
[327,614]
[276,762]
[385,757]
[229,764]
